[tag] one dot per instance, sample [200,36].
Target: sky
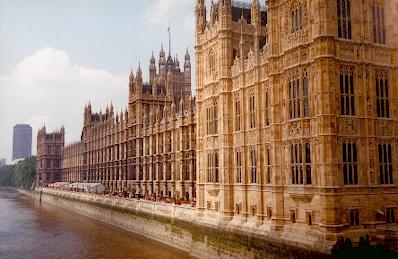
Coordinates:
[57,55]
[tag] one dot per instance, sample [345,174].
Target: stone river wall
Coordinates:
[177,226]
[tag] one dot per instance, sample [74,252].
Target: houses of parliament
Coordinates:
[293,129]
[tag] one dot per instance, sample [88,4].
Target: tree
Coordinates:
[25,173]
[7,176]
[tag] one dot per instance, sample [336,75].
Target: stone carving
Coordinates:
[307,127]
[294,129]
[346,50]
[383,128]
[348,126]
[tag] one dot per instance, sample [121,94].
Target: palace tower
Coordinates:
[299,102]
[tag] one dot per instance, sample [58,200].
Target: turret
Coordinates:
[177,64]
[256,13]
[224,11]
[241,46]
[126,115]
[169,83]
[139,77]
[182,107]
[187,67]
[256,21]
[200,13]
[212,12]
[131,82]
[111,110]
[152,70]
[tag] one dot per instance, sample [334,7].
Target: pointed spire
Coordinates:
[139,71]
[200,13]
[162,54]
[241,43]
[212,12]
[111,110]
[177,62]
[187,56]
[126,115]
[169,31]
[152,60]
[181,106]
[241,36]
[256,13]
[131,74]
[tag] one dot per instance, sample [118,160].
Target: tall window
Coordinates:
[238,166]
[252,111]
[212,123]
[297,17]
[237,115]
[306,102]
[344,19]
[308,174]
[347,101]
[212,167]
[298,163]
[354,217]
[383,104]
[212,65]
[350,163]
[390,215]
[296,160]
[385,163]
[299,105]
[379,35]
[253,165]
[266,112]
[294,99]
[268,166]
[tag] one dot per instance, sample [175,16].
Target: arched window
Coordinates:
[385,163]
[378,24]
[296,17]
[298,87]
[347,101]
[344,19]
[268,169]
[382,95]
[212,64]
[300,163]
[350,163]
[266,112]
[306,102]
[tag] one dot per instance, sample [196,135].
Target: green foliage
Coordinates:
[25,173]
[20,175]
[7,176]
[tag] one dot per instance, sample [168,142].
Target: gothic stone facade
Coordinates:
[299,102]
[150,148]
[49,156]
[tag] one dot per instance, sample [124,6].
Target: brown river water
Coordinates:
[32,230]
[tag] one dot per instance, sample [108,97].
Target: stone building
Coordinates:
[149,149]
[72,162]
[49,156]
[299,104]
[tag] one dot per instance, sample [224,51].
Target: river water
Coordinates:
[32,230]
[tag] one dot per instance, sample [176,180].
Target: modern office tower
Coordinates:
[22,141]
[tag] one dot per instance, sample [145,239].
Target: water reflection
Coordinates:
[31,230]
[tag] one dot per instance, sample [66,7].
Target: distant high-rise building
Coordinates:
[22,141]
[2,162]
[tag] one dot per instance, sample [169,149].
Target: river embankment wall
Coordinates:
[177,226]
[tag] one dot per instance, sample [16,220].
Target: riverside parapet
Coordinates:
[177,226]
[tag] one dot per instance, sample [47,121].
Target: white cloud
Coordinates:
[161,10]
[47,87]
